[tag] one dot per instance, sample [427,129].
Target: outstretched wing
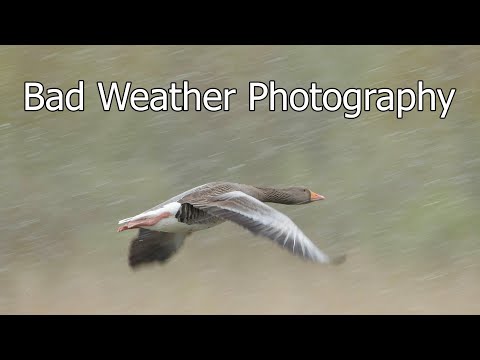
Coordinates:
[261,219]
[153,246]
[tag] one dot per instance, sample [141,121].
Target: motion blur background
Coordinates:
[402,195]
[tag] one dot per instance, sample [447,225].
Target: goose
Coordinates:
[163,228]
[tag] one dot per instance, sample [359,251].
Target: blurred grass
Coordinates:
[402,195]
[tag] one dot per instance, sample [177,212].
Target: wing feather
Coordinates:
[153,246]
[263,220]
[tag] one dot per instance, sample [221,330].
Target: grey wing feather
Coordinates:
[261,219]
[153,246]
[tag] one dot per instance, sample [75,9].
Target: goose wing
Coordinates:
[263,220]
[153,246]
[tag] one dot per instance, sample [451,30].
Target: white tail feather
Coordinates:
[171,207]
[125,220]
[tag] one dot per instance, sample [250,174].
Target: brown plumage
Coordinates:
[164,227]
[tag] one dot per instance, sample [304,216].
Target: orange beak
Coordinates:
[315,196]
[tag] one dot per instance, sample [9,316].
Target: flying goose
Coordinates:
[163,228]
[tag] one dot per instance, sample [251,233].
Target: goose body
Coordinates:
[163,228]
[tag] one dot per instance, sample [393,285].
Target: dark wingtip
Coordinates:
[152,247]
[133,263]
[140,262]
[337,260]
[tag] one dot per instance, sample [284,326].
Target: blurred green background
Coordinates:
[402,195]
